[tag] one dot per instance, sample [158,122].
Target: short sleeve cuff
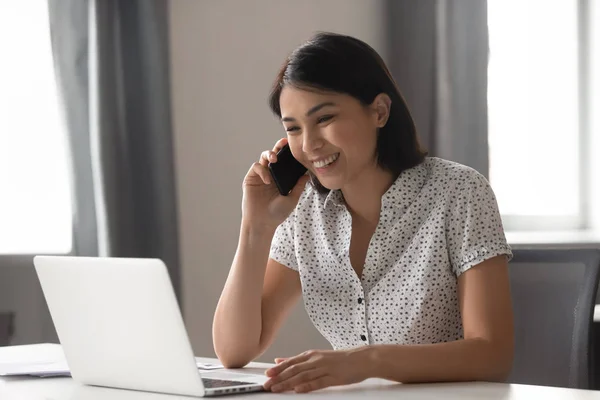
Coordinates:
[480,255]
[283,257]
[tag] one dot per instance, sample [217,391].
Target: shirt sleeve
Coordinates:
[283,245]
[473,226]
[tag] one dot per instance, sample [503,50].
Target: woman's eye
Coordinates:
[324,118]
[292,128]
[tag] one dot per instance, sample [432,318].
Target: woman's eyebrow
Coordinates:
[311,111]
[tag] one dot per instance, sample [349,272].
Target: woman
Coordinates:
[401,258]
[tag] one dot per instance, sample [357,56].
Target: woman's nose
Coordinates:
[311,142]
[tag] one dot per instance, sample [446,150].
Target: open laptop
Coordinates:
[120,326]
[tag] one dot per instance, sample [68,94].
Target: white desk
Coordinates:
[67,389]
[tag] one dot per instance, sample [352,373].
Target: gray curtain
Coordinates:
[438,54]
[111,59]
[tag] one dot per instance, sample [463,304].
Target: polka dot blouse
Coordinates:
[437,220]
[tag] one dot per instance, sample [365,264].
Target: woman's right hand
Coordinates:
[262,204]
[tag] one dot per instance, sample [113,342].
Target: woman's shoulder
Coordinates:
[451,176]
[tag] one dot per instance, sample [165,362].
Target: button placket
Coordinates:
[362,304]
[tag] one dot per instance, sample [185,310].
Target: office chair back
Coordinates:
[553,294]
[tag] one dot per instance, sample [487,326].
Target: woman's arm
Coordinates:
[257,296]
[485,353]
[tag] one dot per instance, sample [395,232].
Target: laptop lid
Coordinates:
[119,323]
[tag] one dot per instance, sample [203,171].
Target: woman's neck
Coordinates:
[363,194]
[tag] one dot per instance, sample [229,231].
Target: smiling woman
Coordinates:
[401,258]
[343,84]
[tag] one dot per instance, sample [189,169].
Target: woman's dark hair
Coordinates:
[333,62]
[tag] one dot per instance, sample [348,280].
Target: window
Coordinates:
[537,141]
[594,113]
[35,200]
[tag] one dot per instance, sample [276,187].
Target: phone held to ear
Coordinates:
[286,171]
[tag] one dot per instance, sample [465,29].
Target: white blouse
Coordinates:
[437,220]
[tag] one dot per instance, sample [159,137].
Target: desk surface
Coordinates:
[67,389]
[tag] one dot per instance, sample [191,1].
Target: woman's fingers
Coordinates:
[267,157]
[270,156]
[263,172]
[279,145]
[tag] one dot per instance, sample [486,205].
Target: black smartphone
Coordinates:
[286,171]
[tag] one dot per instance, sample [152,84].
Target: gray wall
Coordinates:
[21,295]
[225,55]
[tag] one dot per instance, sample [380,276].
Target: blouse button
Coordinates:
[363,338]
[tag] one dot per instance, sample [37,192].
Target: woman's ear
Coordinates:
[381,106]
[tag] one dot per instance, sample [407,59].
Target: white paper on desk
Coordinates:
[208,366]
[61,369]
[46,359]
[45,369]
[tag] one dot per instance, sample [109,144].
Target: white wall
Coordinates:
[21,294]
[225,54]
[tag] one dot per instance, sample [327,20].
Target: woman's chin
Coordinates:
[330,184]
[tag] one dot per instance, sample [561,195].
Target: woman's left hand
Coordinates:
[317,369]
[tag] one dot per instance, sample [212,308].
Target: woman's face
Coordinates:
[332,134]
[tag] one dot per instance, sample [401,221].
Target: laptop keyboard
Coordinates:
[219,383]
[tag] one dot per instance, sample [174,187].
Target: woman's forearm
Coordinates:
[461,360]
[237,322]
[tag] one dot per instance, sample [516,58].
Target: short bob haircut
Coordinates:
[331,62]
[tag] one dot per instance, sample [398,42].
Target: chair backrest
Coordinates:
[553,294]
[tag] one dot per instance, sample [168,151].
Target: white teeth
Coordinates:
[326,161]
